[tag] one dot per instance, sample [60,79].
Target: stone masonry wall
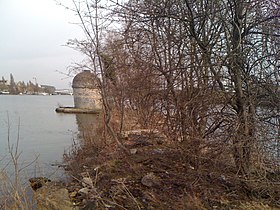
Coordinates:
[85,98]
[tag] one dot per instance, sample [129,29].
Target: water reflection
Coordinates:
[87,124]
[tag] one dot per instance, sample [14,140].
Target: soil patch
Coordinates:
[160,175]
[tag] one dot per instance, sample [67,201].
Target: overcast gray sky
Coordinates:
[32,35]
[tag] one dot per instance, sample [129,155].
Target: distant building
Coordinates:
[48,89]
[86,92]
[4,87]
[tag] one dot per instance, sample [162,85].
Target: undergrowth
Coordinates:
[176,182]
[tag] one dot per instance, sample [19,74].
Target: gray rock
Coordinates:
[87,182]
[133,151]
[150,180]
[84,190]
[157,151]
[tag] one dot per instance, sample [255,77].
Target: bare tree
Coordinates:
[199,49]
[92,22]
[203,67]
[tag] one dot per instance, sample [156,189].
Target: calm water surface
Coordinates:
[43,133]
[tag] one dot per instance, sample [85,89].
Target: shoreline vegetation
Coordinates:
[191,107]
[21,88]
[158,173]
[14,192]
[195,86]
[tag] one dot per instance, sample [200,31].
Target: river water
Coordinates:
[43,134]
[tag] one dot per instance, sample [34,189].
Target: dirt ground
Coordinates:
[160,175]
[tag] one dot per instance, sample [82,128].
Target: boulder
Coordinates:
[50,195]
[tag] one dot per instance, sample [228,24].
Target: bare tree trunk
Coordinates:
[92,32]
[243,136]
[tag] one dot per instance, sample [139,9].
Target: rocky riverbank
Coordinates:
[156,175]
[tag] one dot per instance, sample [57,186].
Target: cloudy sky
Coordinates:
[32,35]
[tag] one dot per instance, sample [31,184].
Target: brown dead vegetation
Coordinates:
[197,71]
[160,174]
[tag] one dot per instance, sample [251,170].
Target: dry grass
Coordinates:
[14,194]
[213,185]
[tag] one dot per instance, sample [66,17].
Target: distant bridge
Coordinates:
[63,92]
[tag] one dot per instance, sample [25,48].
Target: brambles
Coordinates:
[199,72]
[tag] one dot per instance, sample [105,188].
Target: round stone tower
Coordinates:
[86,92]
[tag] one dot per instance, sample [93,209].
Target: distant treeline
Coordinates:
[12,87]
